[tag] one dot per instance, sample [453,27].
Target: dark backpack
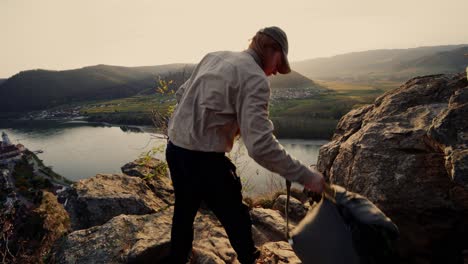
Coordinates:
[345,227]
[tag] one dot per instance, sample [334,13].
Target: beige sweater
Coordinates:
[227,95]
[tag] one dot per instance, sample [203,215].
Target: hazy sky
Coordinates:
[66,34]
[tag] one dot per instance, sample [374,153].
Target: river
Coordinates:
[79,150]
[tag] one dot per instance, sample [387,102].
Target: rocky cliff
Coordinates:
[407,152]
[127,218]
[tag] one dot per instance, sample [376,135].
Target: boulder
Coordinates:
[96,200]
[211,244]
[145,167]
[297,210]
[270,223]
[123,239]
[407,152]
[155,174]
[146,239]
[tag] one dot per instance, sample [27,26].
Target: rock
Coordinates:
[449,133]
[96,200]
[142,239]
[297,210]
[259,236]
[205,257]
[144,167]
[407,153]
[271,223]
[123,239]
[211,243]
[146,239]
[130,229]
[55,221]
[278,253]
[155,173]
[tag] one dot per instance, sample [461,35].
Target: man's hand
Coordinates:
[316,182]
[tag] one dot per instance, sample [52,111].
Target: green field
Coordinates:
[367,85]
[134,110]
[312,117]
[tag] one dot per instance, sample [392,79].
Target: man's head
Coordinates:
[271,44]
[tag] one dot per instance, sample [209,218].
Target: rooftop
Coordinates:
[9,148]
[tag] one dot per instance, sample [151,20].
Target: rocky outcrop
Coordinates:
[146,239]
[155,174]
[123,239]
[127,219]
[55,221]
[408,154]
[297,210]
[270,222]
[96,200]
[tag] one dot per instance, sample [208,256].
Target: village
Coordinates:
[12,184]
[64,113]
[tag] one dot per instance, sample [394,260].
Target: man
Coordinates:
[227,95]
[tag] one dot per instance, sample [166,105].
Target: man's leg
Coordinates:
[181,165]
[224,198]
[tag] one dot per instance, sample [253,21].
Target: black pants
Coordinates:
[210,177]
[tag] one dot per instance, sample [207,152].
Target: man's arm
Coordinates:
[257,133]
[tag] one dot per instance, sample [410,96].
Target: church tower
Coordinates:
[6,140]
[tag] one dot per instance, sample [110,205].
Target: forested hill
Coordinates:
[291,80]
[41,89]
[387,64]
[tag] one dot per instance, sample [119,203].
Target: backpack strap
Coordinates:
[288,195]
[329,193]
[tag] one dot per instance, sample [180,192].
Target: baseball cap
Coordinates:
[279,36]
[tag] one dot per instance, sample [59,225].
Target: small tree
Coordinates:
[160,117]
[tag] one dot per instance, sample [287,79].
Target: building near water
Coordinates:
[8,151]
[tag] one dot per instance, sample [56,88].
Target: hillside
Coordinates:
[41,89]
[293,79]
[293,85]
[441,62]
[386,64]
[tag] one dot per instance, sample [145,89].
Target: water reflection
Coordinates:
[259,180]
[131,129]
[79,150]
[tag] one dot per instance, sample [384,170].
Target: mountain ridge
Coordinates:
[40,89]
[385,64]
